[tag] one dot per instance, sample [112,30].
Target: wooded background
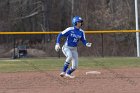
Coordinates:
[56,15]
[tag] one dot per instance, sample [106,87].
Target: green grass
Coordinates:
[44,64]
[112,62]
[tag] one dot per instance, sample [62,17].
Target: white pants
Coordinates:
[71,55]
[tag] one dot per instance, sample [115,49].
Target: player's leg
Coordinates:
[74,63]
[67,52]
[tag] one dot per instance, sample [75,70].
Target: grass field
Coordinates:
[52,63]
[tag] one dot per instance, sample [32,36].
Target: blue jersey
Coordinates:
[73,36]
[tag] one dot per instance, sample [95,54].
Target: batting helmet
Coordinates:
[76,19]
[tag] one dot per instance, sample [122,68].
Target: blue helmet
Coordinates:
[76,19]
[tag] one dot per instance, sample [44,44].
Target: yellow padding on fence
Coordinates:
[55,32]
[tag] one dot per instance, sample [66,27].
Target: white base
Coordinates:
[93,72]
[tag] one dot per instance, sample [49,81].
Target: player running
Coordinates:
[73,35]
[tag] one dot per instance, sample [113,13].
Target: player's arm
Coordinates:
[57,45]
[59,38]
[63,33]
[83,39]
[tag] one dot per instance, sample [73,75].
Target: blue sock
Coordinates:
[70,71]
[66,65]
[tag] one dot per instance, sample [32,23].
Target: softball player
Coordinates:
[73,35]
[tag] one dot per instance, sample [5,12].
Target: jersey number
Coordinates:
[75,40]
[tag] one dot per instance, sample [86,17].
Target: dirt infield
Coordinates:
[109,81]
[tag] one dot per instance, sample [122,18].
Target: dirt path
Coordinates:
[109,81]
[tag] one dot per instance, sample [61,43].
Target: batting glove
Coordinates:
[57,47]
[88,44]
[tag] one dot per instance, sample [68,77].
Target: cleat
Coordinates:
[69,76]
[62,74]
